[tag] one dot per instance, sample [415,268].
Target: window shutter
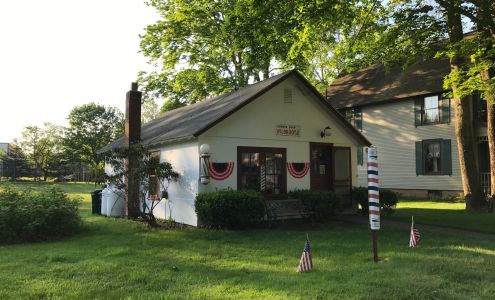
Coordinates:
[418,103]
[445,111]
[446,157]
[360,156]
[419,158]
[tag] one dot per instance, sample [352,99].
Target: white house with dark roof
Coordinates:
[404,114]
[273,136]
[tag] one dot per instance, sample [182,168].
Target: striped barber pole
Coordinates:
[373,189]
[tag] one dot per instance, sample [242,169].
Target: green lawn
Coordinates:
[446,214]
[117,259]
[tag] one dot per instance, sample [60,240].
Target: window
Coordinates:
[433,157]
[262,169]
[432,110]
[479,110]
[360,156]
[354,116]
[153,182]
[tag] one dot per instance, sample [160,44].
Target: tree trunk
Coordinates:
[490,132]
[462,121]
[466,148]
[490,128]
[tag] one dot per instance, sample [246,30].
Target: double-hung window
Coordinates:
[431,110]
[354,116]
[433,157]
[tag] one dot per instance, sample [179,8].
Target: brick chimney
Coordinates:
[132,137]
[133,115]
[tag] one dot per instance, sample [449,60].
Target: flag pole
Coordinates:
[374,241]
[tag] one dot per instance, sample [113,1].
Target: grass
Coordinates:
[446,214]
[119,259]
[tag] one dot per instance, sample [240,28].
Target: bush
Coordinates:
[317,205]
[26,215]
[388,199]
[229,208]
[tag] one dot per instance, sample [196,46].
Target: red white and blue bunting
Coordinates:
[220,171]
[373,189]
[298,170]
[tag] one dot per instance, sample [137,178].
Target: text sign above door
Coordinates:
[287,130]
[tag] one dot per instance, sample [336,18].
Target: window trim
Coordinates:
[423,158]
[262,151]
[154,196]
[352,119]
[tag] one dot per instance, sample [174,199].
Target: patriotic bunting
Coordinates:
[220,171]
[298,170]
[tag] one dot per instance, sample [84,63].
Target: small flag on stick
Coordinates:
[415,237]
[305,264]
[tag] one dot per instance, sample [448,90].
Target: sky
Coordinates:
[58,54]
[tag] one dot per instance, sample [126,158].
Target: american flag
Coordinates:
[415,237]
[305,264]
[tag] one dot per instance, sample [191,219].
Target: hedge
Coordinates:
[230,209]
[27,215]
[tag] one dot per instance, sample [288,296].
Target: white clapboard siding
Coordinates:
[390,127]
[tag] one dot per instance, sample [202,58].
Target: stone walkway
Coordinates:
[407,226]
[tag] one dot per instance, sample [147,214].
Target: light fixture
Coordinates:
[204,151]
[326,132]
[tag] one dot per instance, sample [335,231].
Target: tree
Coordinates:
[15,162]
[91,127]
[43,146]
[146,166]
[205,48]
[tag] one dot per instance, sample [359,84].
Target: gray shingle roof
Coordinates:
[190,121]
[375,84]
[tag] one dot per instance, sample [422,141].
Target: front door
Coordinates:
[342,172]
[321,167]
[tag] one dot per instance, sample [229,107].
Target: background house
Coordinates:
[274,136]
[404,114]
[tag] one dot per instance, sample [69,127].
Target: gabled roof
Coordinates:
[190,121]
[375,84]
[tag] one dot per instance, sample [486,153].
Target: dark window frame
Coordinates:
[444,113]
[424,145]
[153,180]
[262,158]
[354,115]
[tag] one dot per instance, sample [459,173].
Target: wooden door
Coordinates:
[321,167]
[342,172]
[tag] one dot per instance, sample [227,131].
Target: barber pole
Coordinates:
[373,198]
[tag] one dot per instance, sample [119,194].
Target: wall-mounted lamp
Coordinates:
[326,132]
[204,151]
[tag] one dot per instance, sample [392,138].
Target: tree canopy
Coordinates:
[205,48]
[91,127]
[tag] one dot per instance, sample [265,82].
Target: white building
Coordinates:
[274,136]
[404,113]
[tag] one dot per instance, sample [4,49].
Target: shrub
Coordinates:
[388,199]
[26,215]
[229,208]
[317,205]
